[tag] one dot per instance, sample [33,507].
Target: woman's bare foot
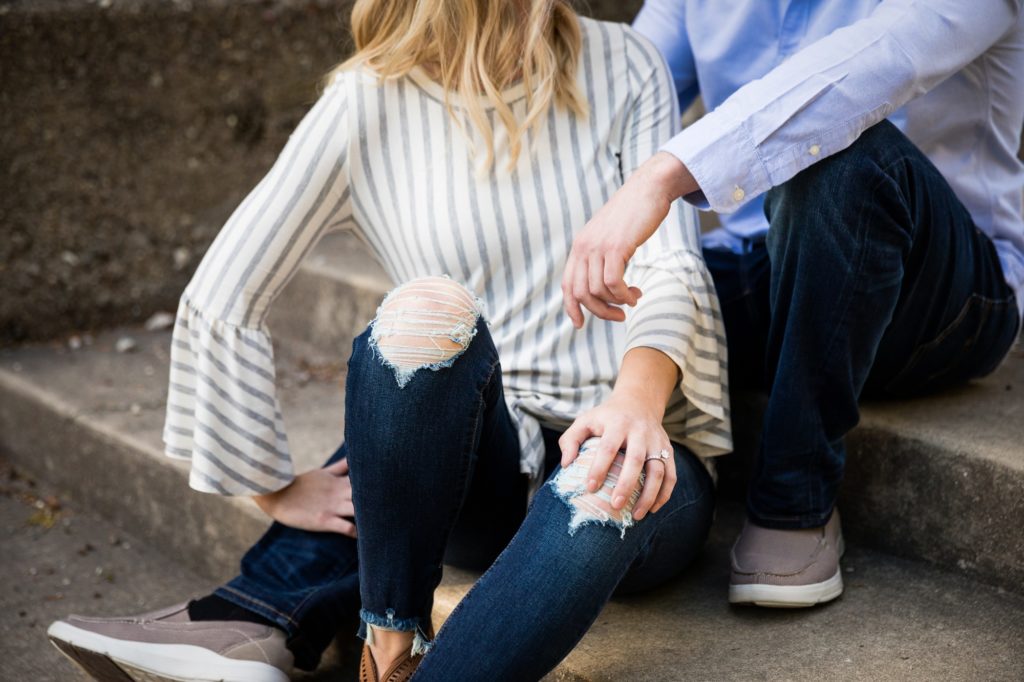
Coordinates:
[388,646]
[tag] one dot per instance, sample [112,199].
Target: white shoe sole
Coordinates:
[791,596]
[788,596]
[107,658]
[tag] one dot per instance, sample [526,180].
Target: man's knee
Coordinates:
[424,323]
[832,179]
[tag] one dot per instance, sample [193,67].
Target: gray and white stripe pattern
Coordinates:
[388,161]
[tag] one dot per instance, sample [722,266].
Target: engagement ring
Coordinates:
[661,456]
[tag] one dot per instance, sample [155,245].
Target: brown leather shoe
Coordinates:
[400,671]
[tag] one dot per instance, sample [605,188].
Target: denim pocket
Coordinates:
[971,346]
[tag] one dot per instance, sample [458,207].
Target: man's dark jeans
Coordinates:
[873,281]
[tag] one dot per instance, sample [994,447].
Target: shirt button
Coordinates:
[738,194]
[814,150]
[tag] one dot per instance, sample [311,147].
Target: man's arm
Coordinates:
[813,105]
[821,99]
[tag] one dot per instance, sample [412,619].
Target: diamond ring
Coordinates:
[662,456]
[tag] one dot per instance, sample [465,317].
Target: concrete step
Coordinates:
[940,479]
[898,620]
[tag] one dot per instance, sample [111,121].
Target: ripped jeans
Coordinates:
[434,461]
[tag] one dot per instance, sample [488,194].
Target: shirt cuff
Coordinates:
[724,161]
[222,409]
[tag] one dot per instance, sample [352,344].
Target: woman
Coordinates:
[464,142]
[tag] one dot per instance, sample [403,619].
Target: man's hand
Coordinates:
[597,263]
[318,500]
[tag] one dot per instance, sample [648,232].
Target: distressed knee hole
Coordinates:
[425,323]
[571,486]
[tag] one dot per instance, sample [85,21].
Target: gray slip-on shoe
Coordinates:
[787,568]
[166,645]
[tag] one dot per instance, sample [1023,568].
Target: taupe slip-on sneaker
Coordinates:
[166,645]
[787,568]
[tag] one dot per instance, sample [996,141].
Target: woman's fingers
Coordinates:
[339,468]
[336,524]
[604,455]
[653,484]
[632,465]
[570,441]
[345,508]
[667,485]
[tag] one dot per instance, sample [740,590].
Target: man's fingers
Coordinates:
[614,271]
[603,310]
[631,467]
[578,293]
[569,300]
[595,282]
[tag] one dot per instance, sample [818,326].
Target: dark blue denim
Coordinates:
[435,475]
[873,282]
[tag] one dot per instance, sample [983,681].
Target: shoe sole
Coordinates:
[115,660]
[791,596]
[788,596]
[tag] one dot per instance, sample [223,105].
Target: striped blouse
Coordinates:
[387,161]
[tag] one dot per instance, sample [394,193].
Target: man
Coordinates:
[858,255]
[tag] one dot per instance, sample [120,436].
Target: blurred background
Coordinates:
[129,131]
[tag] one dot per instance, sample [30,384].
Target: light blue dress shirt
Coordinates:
[789,82]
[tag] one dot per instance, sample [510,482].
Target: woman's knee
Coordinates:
[425,323]
[570,484]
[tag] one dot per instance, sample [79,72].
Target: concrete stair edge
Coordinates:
[150,498]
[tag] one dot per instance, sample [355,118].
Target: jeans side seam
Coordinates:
[259,603]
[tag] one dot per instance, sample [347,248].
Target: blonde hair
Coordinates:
[475,47]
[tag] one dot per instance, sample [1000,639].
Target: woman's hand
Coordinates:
[318,500]
[625,422]
[631,419]
[601,251]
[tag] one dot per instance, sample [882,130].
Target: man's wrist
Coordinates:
[671,176]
